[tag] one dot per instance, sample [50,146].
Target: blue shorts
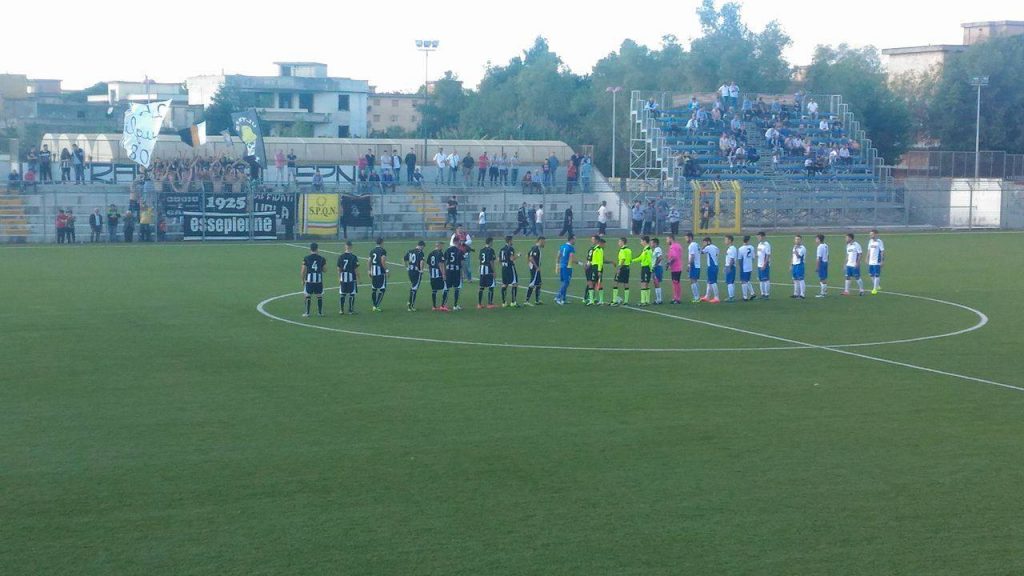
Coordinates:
[730,274]
[798,271]
[853,271]
[566,274]
[765,274]
[694,273]
[823,271]
[745,276]
[659,273]
[712,274]
[875,271]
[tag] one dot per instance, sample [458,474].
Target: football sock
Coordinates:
[444,298]
[342,302]
[504,294]
[586,294]
[412,297]
[480,296]
[860,284]
[796,287]
[824,288]
[490,295]
[433,297]
[626,297]
[875,282]
[308,302]
[456,301]
[351,302]
[677,290]
[536,295]
[695,290]
[319,305]
[515,293]
[529,293]
[731,290]
[657,294]
[373,297]
[380,296]
[803,288]
[615,294]
[846,285]
[600,296]
[714,290]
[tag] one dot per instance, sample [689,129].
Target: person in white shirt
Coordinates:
[442,161]
[658,267]
[482,220]
[746,265]
[693,265]
[710,252]
[734,95]
[824,125]
[812,109]
[853,255]
[602,217]
[538,227]
[822,259]
[799,255]
[764,265]
[731,256]
[453,161]
[876,259]
[396,165]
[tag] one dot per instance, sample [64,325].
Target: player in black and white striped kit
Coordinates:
[435,268]
[535,281]
[348,265]
[313,279]
[414,264]
[378,270]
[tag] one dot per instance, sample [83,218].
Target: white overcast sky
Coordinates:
[86,42]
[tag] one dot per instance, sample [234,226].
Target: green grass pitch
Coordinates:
[152,421]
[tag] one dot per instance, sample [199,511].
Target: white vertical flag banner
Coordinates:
[141,127]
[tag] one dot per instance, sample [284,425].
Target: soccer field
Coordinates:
[167,410]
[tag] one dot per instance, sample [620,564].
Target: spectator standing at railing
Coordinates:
[694,104]
[673,220]
[570,178]
[513,166]
[146,223]
[45,165]
[492,172]
[441,161]
[660,215]
[410,166]
[453,161]
[113,217]
[503,169]
[723,92]
[734,96]
[648,216]
[586,171]
[318,181]
[371,160]
[279,164]
[522,220]
[292,168]
[545,172]
[95,225]
[65,165]
[396,166]
[32,158]
[467,169]
[481,165]
[78,163]
[636,214]
[69,230]
[553,168]
[129,226]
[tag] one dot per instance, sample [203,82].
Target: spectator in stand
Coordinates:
[570,178]
[387,180]
[748,109]
[78,163]
[603,215]
[503,169]
[453,212]
[129,226]
[45,165]
[410,166]
[528,182]
[292,167]
[482,221]
[33,160]
[736,126]
[648,215]
[318,181]
[492,171]
[673,220]
[772,135]
[694,105]
[146,223]
[824,125]
[706,214]
[586,170]
[279,163]
[567,221]
[61,223]
[13,180]
[660,215]
[113,217]
[724,146]
[482,164]
[844,154]
[467,169]
[95,225]
[553,169]
[652,107]
[396,166]
[531,217]
[371,160]
[636,214]
[375,182]
[522,221]
[810,166]
[538,221]
[69,230]
[545,172]
[452,162]
[417,177]
[441,161]
[812,108]
[513,166]
[734,96]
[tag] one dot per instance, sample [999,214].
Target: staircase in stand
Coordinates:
[14,226]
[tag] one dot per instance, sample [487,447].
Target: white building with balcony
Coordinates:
[301,92]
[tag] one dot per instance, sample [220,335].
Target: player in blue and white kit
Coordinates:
[564,270]
[730,267]
[764,265]
[746,266]
[822,267]
[799,255]
[853,256]
[711,254]
[693,266]
[876,259]
[658,257]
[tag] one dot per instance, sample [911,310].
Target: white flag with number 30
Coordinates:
[141,128]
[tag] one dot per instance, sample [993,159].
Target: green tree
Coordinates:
[857,74]
[952,112]
[226,101]
[728,50]
[440,114]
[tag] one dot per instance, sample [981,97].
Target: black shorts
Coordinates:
[592,274]
[622,276]
[314,288]
[348,288]
[645,274]
[509,276]
[414,278]
[379,282]
[487,280]
[677,276]
[437,284]
[453,279]
[535,280]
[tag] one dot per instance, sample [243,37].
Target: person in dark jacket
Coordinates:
[567,223]
[129,226]
[95,225]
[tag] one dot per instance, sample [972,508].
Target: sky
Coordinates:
[83,42]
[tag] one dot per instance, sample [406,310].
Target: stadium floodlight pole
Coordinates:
[426,46]
[978,82]
[614,90]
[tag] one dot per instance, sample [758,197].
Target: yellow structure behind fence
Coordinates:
[717,206]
